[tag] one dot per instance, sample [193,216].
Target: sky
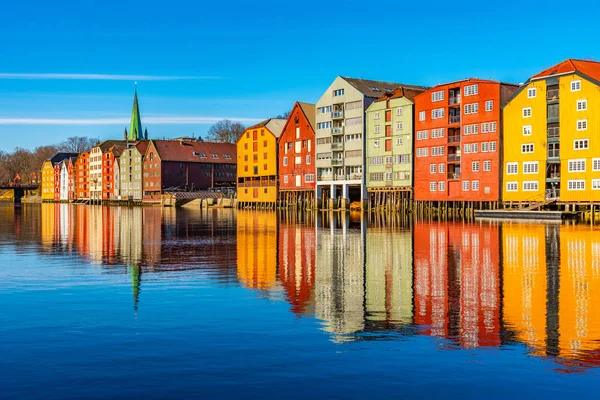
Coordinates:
[68,68]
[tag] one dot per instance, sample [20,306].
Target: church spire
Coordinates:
[135,127]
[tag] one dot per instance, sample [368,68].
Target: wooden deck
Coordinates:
[525,214]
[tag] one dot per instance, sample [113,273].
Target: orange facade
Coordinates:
[57,181]
[82,177]
[457,282]
[108,174]
[296,150]
[457,141]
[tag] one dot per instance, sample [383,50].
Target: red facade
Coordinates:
[296,155]
[82,178]
[458,139]
[57,181]
[109,164]
[187,166]
[71,174]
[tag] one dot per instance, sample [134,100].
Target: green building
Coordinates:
[389,144]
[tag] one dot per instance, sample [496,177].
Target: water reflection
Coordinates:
[469,285]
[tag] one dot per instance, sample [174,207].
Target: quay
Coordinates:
[526,214]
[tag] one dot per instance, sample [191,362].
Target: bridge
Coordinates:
[19,190]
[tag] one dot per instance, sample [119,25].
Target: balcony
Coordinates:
[552,194]
[554,132]
[454,175]
[340,177]
[454,100]
[337,161]
[337,146]
[337,114]
[453,157]
[355,176]
[455,119]
[554,154]
[552,95]
[453,139]
[337,130]
[324,177]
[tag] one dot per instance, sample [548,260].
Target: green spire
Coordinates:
[135,127]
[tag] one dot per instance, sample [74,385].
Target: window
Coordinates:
[596,164]
[527,112]
[577,165]
[575,86]
[432,186]
[595,184]
[437,113]
[377,129]
[530,186]
[338,92]
[432,168]
[581,144]
[285,179]
[422,135]
[399,126]
[376,115]
[582,124]
[531,93]
[308,160]
[576,184]
[492,146]
[527,130]
[512,186]
[442,186]
[489,105]
[399,111]
[441,168]
[465,186]
[399,141]
[527,148]
[471,90]
[437,96]
[472,108]
[475,185]
[487,165]
[530,167]
[488,127]
[471,129]
[512,168]
[421,115]
[377,143]
[308,178]
[467,148]
[581,105]
[285,161]
[474,147]
[437,133]
[475,167]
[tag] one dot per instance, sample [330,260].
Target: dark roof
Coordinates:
[182,151]
[375,89]
[402,91]
[117,149]
[58,157]
[309,113]
[107,144]
[142,145]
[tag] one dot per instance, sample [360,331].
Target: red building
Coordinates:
[457,141]
[71,173]
[110,173]
[296,156]
[82,176]
[179,165]
[457,282]
[57,167]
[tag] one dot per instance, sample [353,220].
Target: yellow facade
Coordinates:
[553,176]
[47,181]
[257,249]
[257,166]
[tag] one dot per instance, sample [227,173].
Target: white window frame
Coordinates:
[575,86]
[433,168]
[422,115]
[531,93]
[474,166]
[595,164]
[510,170]
[527,130]
[526,112]
[471,90]
[475,185]
[523,148]
[525,183]
[489,105]
[465,186]
[432,186]
[577,165]
[595,184]
[582,124]
[512,186]
[437,96]
[576,185]
[527,168]
[581,141]
[582,105]
[487,165]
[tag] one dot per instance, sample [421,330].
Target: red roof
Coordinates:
[142,145]
[184,151]
[588,68]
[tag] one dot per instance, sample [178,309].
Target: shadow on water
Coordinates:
[469,285]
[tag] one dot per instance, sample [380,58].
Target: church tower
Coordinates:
[135,127]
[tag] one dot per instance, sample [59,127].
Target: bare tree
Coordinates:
[77,144]
[225,131]
[285,115]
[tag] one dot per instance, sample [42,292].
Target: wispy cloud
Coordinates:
[170,120]
[99,77]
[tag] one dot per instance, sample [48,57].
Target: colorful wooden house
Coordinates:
[257,163]
[49,179]
[552,136]
[82,178]
[131,163]
[297,155]
[458,137]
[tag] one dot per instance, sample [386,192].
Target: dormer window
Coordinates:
[213,155]
[226,156]
[202,155]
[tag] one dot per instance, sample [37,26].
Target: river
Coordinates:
[111,302]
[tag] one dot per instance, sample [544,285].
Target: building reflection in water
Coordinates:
[472,285]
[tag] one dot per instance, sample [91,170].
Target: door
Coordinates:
[298,180]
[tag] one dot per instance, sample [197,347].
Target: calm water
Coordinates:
[99,302]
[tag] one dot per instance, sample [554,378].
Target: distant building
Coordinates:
[131,163]
[66,190]
[102,169]
[48,176]
[297,153]
[257,162]
[82,178]
[171,165]
[458,140]
[340,134]
[111,171]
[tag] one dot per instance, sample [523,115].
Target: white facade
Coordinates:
[64,181]
[95,173]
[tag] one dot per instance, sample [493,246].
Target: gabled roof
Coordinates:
[135,126]
[375,89]
[569,66]
[309,113]
[58,157]
[141,146]
[106,145]
[183,151]
[402,91]
[274,125]
[117,149]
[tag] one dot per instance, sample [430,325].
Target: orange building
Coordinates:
[457,282]
[110,171]
[457,138]
[57,167]
[297,154]
[71,176]
[82,176]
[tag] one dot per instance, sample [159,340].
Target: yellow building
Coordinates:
[552,136]
[47,181]
[257,162]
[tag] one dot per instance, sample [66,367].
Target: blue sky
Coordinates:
[252,60]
